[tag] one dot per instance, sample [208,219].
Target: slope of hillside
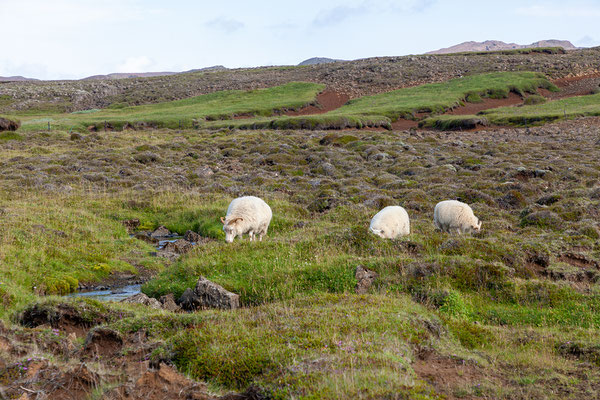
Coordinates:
[352,78]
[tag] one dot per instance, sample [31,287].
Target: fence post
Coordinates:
[48,126]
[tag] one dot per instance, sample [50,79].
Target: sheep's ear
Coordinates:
[479,224]
[223,220]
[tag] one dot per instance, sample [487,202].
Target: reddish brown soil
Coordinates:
[327,100]
[402,124]
[447,375]
[486,104]
[74,372]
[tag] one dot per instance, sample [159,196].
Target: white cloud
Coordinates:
[224,24]
[136,64]
[558,11]
[587,41]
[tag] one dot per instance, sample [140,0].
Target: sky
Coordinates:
[72,39]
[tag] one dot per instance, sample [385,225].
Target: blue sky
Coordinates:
[71,39]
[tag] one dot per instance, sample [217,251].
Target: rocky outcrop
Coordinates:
[364,278]
[208,294]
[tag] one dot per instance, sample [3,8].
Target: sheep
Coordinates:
[450,215]
[390,223]
[249,215]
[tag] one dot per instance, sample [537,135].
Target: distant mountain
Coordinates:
[318,60]
[125,75]
[494,45]
[214,68]
[16,79]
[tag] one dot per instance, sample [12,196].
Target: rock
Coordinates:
[208,294]
[168,303]
[192,236]
[141,298]
[131,224]
[76,136]
[364,279]
[327,168]
[203,172]
[8,125]
[145,236]
[189,301]
[161,231]
[450,167]
[180,246]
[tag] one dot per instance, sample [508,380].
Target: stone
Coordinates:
[364,279]
[192,237]
[145,236]
[141,298]
[131,224]
[180,246]
[215,296]
[161,231]
[204,172]
[168,303]
[189,301]
[450,167]
[76,136]
[208,294]
[8,125]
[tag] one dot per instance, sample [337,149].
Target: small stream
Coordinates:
[112,294]
[118,293]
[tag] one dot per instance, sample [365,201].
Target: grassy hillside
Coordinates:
[384,108]
[512,312]
[181,113]
[573,107]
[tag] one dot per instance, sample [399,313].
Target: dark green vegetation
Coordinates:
[536,113]
[512,312]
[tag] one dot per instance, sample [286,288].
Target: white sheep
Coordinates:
[249,215]
[453,215]
[390,223]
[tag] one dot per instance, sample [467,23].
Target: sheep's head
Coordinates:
[232,228]
[477,226]
[378,232]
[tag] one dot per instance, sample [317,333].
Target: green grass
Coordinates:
[536,114]
[381,109]
[183,113]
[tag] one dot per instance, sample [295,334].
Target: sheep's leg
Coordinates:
[251,234]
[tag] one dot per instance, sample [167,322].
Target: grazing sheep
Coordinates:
[390,223]
[249,215]
[451,215]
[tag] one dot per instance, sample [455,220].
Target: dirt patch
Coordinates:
[579,261]
[327,100]
[63,317]
[102,342]
[486,104]
[402,124]
[449,375]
